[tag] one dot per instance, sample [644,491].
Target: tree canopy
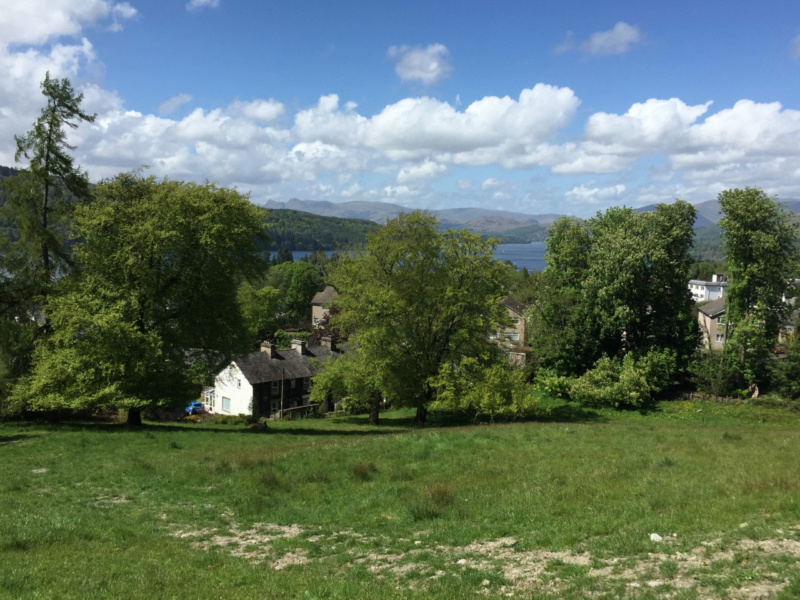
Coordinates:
[761,246]
[415,299]
[153,306]
[614,285]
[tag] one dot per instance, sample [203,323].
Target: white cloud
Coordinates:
[198,4]
[492,184]
[594,194]
[172,104]
[40,21]
[795,46]
[265,111]
[351,191]
[617,40]
[464,184]
[421,172]
[427,65]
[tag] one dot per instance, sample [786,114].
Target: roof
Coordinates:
[708,283]
[326,296]
[259,367]
[514,305]
[713,308]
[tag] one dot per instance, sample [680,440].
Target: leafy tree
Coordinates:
[416,299]
[352,382]
[260,308]
[152,309]
[761,247]
[52,170]
[33,225]
[614,285]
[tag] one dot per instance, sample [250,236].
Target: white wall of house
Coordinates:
[706,290]
[233,394]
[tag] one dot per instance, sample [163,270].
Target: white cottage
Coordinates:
[264,383]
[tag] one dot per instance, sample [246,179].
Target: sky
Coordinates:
[537,107]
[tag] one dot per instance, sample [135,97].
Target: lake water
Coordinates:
[530,256]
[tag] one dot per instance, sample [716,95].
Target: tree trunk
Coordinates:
[422,415]
[134,417]
[374,409]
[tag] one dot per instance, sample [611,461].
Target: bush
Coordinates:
[626,382]
[715,372]
[553,384]
[494,390]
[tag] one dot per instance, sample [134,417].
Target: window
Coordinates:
[238,383]
[512,336]
[306,383]
[226,404]
[292,383]
[515,321]
[275,406]
[276,387]
[720,320]
[720,337]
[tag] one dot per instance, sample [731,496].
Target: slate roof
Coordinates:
[326,296]
[259,367]
[713,308]
[513,305]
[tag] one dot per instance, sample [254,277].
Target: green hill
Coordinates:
[305,231]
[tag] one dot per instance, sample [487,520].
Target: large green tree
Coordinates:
[613,285]
[761,247]
[415,299]
[152,307]
[35,210]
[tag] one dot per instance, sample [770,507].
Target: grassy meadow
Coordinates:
[562,507]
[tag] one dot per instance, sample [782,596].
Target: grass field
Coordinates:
[334,508]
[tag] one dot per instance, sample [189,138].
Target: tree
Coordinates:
[761,247]
[614,285]
[36,208]
[415,299]
[152,308]
[51,169]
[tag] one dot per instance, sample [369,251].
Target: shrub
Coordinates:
[441,494]
[626,382]
[553,384]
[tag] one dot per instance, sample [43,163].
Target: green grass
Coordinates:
[335,508]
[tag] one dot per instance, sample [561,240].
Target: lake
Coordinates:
[530,256]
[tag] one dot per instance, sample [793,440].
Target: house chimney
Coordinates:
[299,346]
[269,348]
[326,341]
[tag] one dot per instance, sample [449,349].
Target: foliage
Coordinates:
[716,372]
[614,285]
[152,309]
[351,381]
[625,382]
[260,308]
[492,390]
[34,217]
[416,299]
[553,384]
[297,230]
[761,247]
[785,372]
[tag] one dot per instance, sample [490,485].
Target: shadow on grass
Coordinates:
[12,439]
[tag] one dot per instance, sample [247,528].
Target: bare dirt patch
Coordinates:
[524,571]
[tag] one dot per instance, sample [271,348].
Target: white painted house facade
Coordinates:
[704,291]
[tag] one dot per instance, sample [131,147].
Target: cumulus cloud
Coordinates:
[617,40]
[427,65]
[198,4]
[170,105]
[40,21]
[594,194]
[422,172]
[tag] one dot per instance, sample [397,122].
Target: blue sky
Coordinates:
[563,107]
